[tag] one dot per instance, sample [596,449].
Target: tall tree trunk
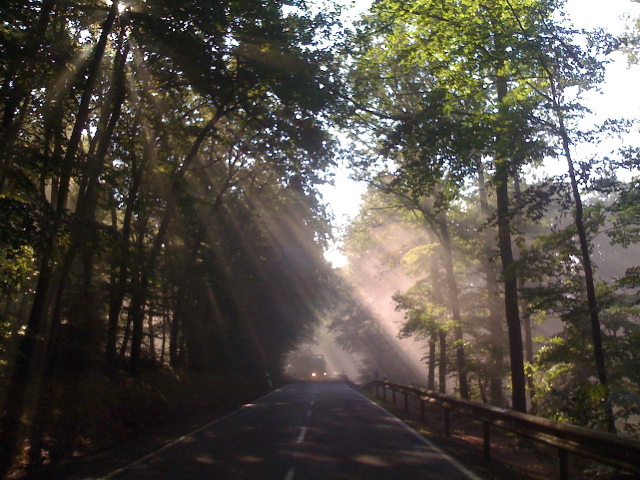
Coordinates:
[493,296]
[88,207]
[165,326]
[56,154]
[176,325]
[122,256]
[524,311]
[85,214]
[33,338]
[592,300]
[483,390]
[84,110]
[125,341]
[84,217]
[152,336]
[461,361]
[431,378]
[442,336]
[140,297]
[442,361]
[502,164]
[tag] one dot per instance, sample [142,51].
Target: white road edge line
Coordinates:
[300,438]
[178,440]
[290,474]
[430,444]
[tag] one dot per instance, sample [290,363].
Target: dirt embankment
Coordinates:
[93,425]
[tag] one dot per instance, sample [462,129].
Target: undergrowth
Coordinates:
[79,416]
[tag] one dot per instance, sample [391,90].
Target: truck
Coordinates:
[310,367]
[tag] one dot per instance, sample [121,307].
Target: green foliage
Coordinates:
[631,40]
[446,89]
[424,316]
[566,386]
[158,187]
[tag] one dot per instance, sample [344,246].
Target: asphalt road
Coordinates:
[306,430]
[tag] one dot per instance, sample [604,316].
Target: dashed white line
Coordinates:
[290,474]
[300,438]
[309,414]
[312,402]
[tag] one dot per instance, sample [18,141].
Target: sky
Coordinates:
[619,98]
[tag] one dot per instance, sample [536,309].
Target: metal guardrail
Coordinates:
[620,452]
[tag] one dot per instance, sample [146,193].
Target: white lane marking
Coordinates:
[309,414]
[178,440]
[312,402]
[290,474]
[300,439]
[433,446]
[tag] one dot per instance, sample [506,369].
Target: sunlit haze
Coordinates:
[193,284]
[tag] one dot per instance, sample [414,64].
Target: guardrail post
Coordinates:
[563,464]
[406,402]
[447,422]
[619,452]
[486,436]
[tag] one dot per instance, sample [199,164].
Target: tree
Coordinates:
[494,74]
[164,149]
[560,66]
[459,49]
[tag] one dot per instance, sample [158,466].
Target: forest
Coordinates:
[162,230]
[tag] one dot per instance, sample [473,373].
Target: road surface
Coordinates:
[306,430]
